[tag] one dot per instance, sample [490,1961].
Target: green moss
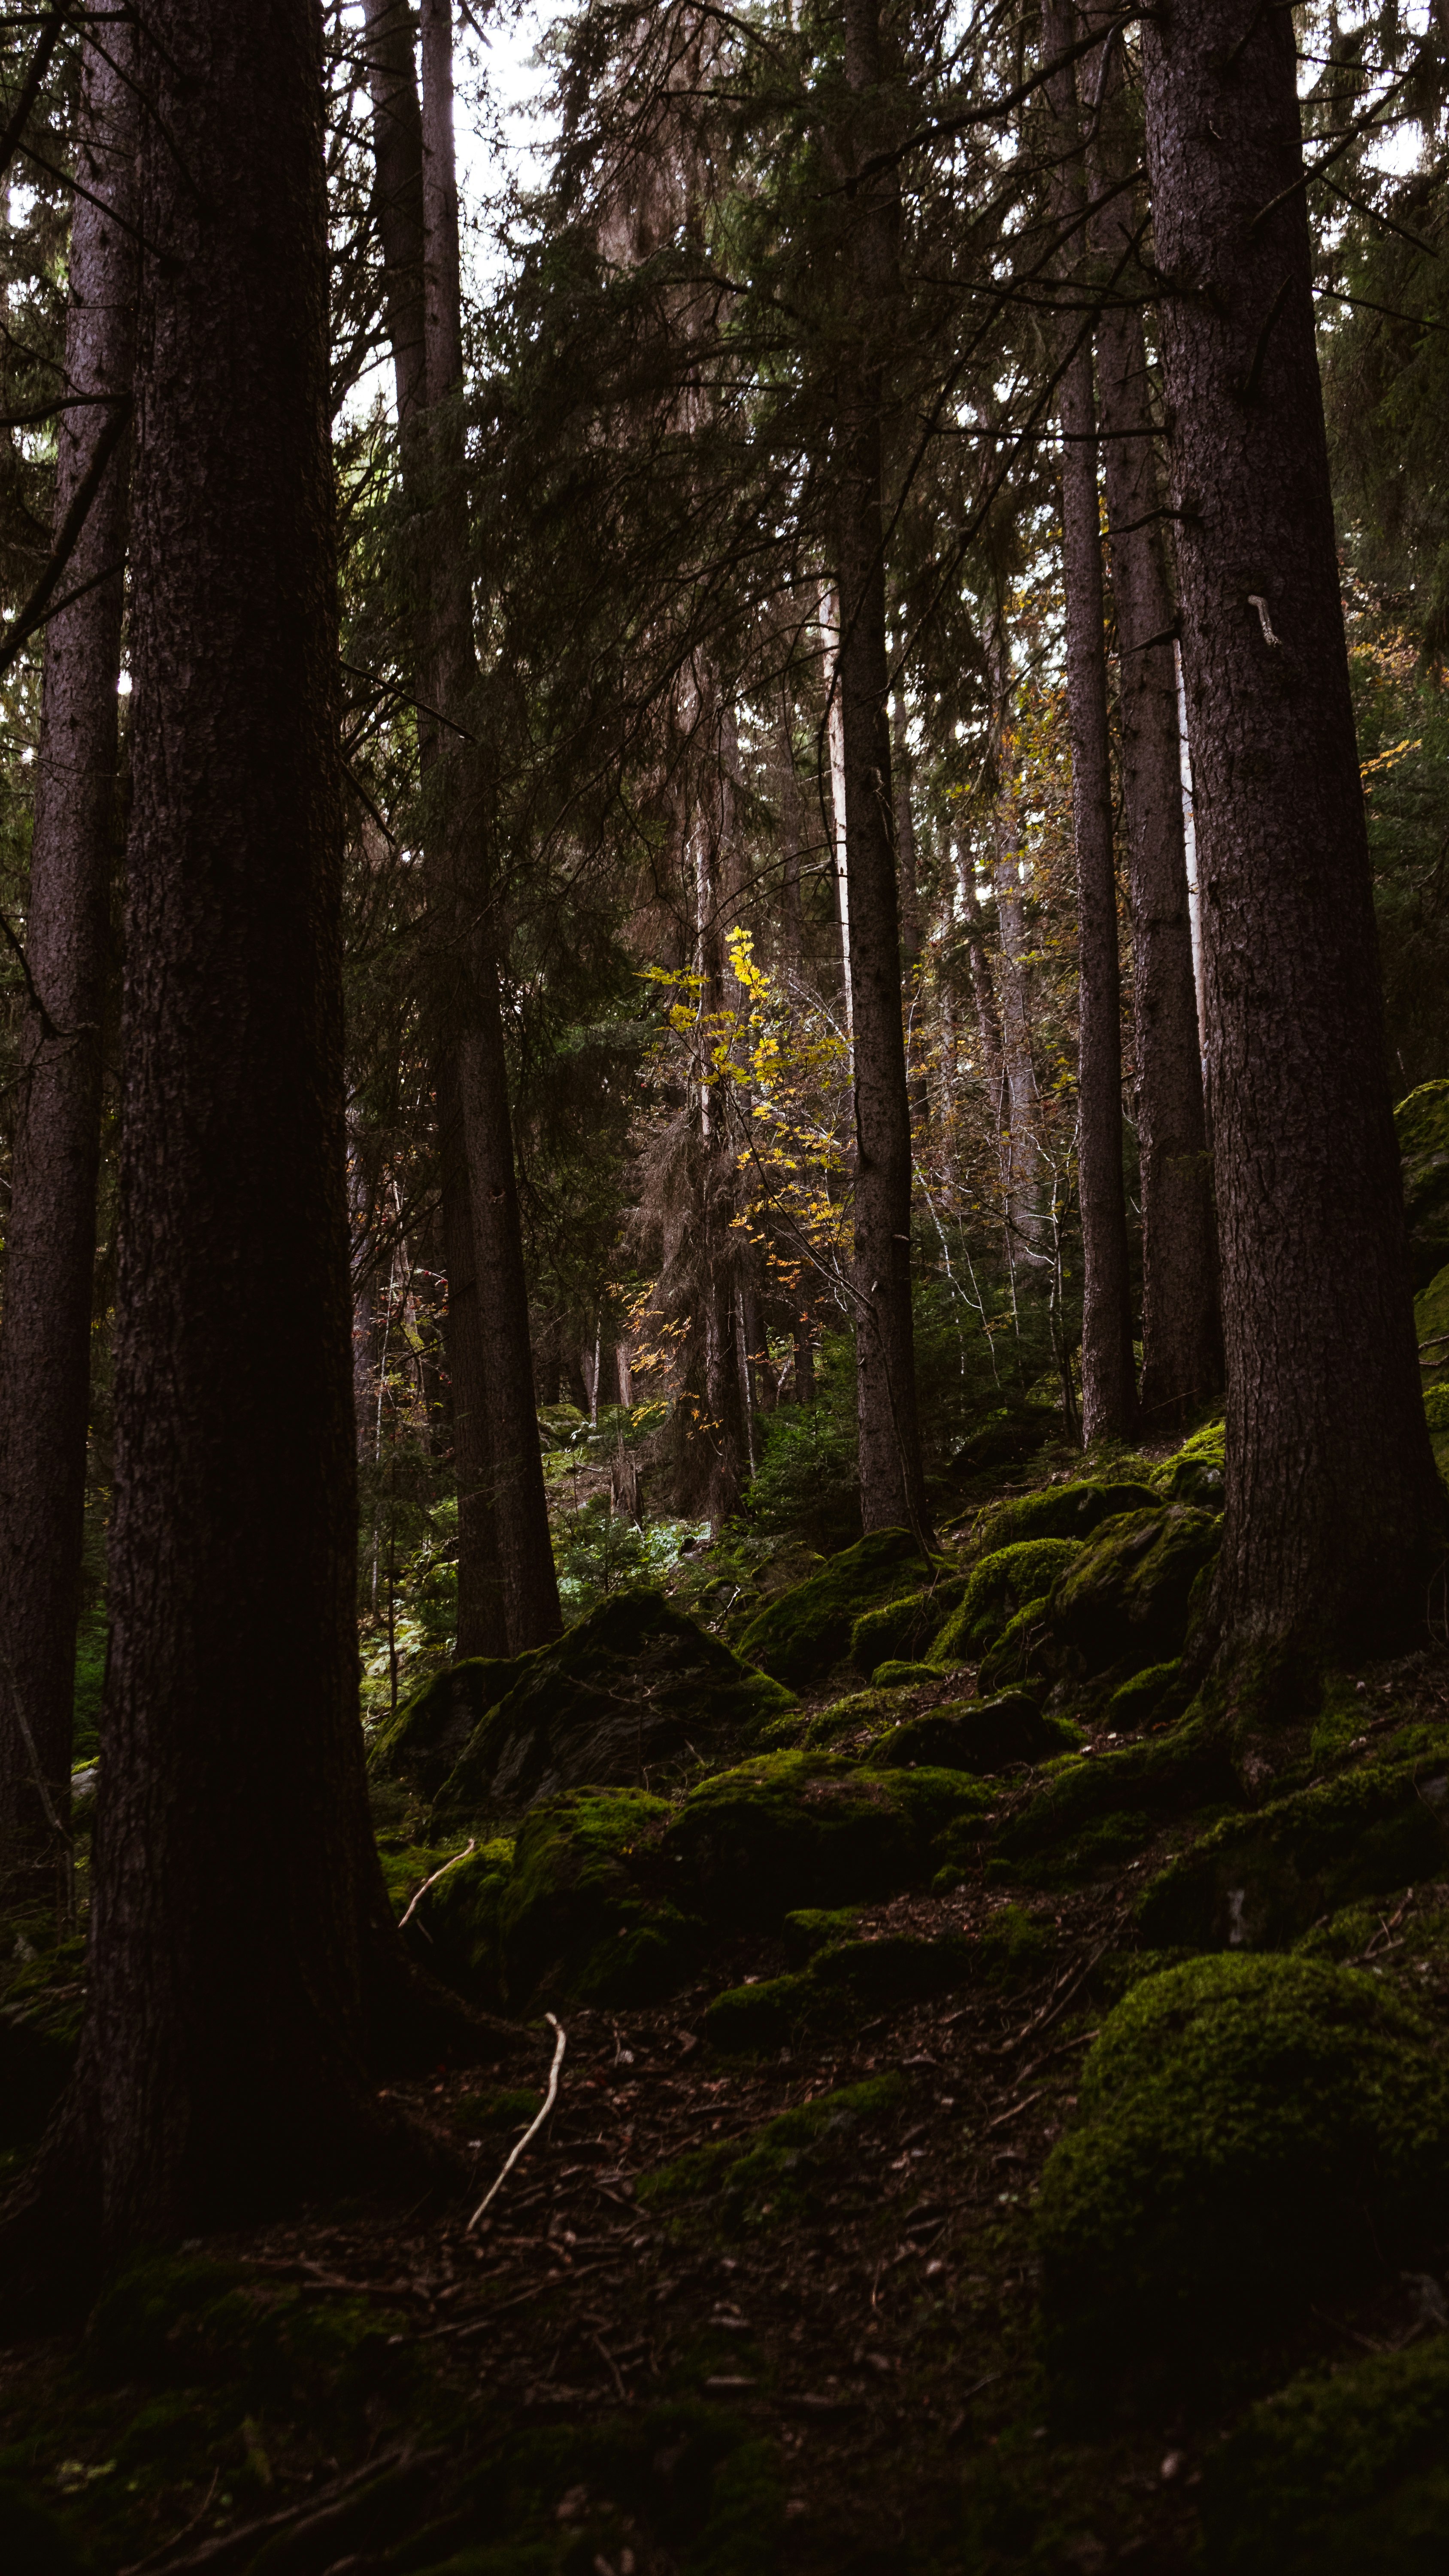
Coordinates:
[1258,1881]
[1195,1472]
[425,1739]
[864,1713]
[904,1676]
[191,2322]
[1422,1124]
[899,1631]
[814,1927]
[820,2134]
[979,1736]
[1151,1693]
[755,2020]
[1060,1833]
[798,1636]
[1332,2476]
[1056,1511]
[808,1829]
[495,2113]
[1431,1322]
[1011,1946]
[999,1586]
[638,1688]
[1255,2132]
[1436,1408]
[1015,1661]
[1123,1603]
[895,1968]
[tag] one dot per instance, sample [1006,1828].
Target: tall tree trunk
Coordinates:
[1017,1109]
[397,133]
[1334,1510]
[1109,1388]
[237,1904]
[1182,1348]
[892,1477]
[51,1225]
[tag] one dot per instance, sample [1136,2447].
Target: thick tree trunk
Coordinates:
[1334,1510]
[397,133]
[464,900]
[51,1221]
[236,1894]
[1109,1388]
[892,1477]
[1182,1351]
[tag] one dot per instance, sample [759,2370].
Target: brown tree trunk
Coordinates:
[51,1223]
[1182,1349]
[1109,1387]
[236,1894]
[397,133]
[892,1477]
[465,901]
[1334,1510]
[1017,1109]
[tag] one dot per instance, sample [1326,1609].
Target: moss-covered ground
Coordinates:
[988,2140]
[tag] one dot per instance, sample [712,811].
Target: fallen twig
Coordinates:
[405,1919]
[1012,2111]
[532,2130]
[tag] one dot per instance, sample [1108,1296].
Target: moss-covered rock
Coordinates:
[808,1829]
[570,1908]
[1422,1125]
[1057,1511]
[1196,1472]
[1154,1692]
[854,1722]
[638,1691]
[787,2154]
[1337,2475]
[1258,1881]
[1431,1323]
[999,1585]
[899,1631]
[799,1636]
[1123,1602]
[977,1735]
[427,1737]
[905,1676]
[1015,1662]
[1092,1813]
[815,1927]
[844,1983]
[1254,2133]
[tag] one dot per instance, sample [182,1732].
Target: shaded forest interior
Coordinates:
[724,1289]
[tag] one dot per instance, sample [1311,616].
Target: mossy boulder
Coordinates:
[858,1719]
[815,1927]
[905,1676]
[637,1692]
[899,1631]
[430,1733]
[999,1585]
[572,1908]
[1336,2475]
[1157,1690]
[1422,1125]
[976,1735]
[1015,1662]
[844,1983]
[1258,1882]
[1431,1323]
[1092,1813]
[808,1829]
[1196,1472]
[788,2158]
[1122,1603]
[1057,1511]
[1255,2133]
[803,1632]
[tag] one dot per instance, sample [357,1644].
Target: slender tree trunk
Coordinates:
[51,1224]
[397,131]
[1334,1511]
[792,826]
[725,1405]
[1017,1111]
[1182,1352]
[464,900]
[892,1477]
[1109,1388]
[237,1903]
[983,986]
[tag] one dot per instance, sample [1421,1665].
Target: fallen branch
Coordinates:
[532,2130]
[405,1919]
[1013,2111]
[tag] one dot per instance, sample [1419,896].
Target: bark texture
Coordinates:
[1109,1391]
[1182,1352]
[892,1479]
[51,1223]
[1334,1510]
[1017,1100]
[236,1891]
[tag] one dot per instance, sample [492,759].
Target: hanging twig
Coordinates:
[550,2098]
